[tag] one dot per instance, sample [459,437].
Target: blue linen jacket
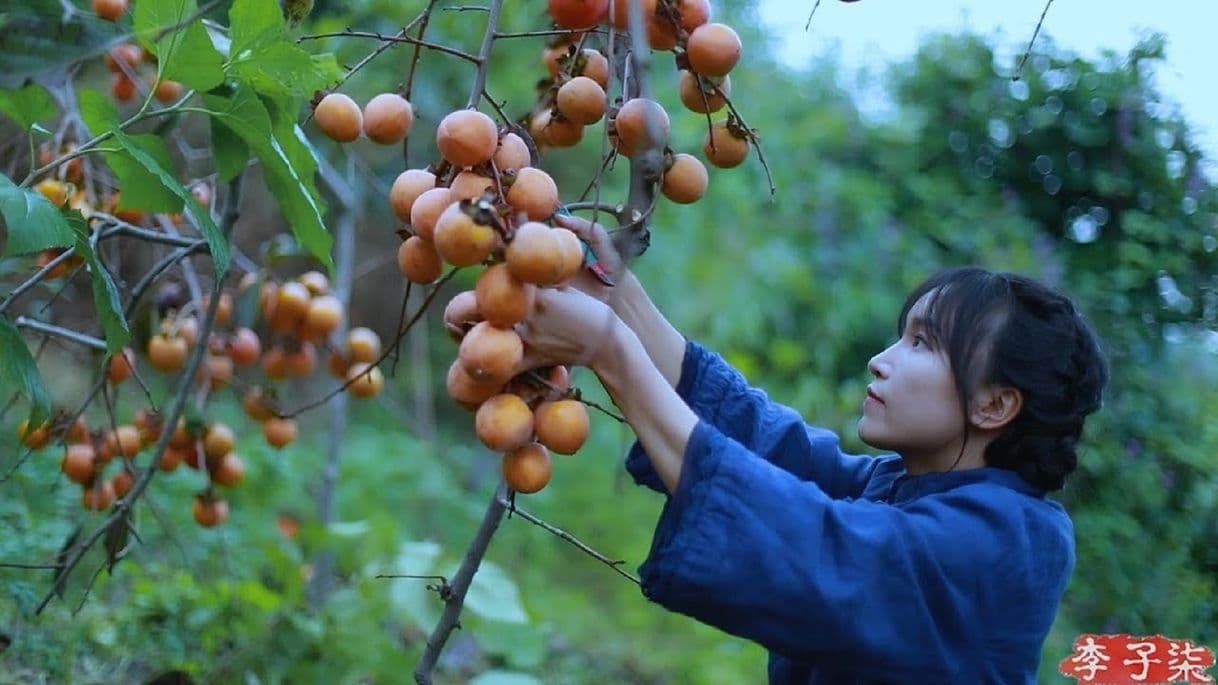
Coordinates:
[844,567]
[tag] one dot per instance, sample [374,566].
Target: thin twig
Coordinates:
[603,410]
[617,211]
[187,21]
[498,107]
[397,351]
[1028,52]
[60,332]
[769,177]
[811,14]
[616,565]
[416,576]
[88,588]
[394,39]
[36,278]
[549,32]
[113,226]
[159,268]
[35,567]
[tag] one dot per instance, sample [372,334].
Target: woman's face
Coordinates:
[912,407]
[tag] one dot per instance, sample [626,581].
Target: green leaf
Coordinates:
[141,189]
[410,596]
[282,69]
[196,62]
[254,23]
[27,106]
[37,38]
[519,646]
[33,222]
[19,372]
[200,216]
[289,165]
[153,18]
[140,183]
[228,150]
[184,54]
[106,299]
[493,595]
[99,112]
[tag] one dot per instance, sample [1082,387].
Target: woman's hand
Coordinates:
[608,261]
[566,326]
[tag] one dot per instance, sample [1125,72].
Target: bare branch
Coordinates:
[615,564]
[811,14]
[57,331]
[1023,60]
[36,278]
[484,53]
[454,594]
[397,38]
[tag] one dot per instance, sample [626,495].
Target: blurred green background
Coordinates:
[1078,173]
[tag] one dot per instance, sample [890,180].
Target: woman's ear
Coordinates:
[994,406]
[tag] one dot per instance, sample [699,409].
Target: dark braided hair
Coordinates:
[1007,329]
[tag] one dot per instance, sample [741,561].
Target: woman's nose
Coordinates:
[878,366]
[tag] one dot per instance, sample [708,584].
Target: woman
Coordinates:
[941,561]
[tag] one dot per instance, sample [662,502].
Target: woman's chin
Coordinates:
[868,434]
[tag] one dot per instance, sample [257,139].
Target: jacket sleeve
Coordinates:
[720,395]
[860,586]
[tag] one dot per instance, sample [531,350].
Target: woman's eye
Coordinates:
[920,340]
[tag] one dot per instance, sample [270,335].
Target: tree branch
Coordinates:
[454,594]
[397,38]
[57,331]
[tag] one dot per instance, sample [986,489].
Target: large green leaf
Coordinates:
[140,184]
[140,187]
[28,105]
[201,217]
[410,596]
[289,165]
[492,594]
[196,62]
[99,112]
[229,152]
[37,38]
[19,373]
[282,69]
[254,23]
[106,299]
[184,50]
[33,222]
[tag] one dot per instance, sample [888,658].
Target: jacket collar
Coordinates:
[906,487]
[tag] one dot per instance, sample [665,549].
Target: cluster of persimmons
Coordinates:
[297,317]
[487,203]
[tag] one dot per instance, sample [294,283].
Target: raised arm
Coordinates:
[714,390]
[956,587]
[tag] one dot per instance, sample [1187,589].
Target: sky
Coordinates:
[872,33]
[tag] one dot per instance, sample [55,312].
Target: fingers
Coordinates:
[597,238]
